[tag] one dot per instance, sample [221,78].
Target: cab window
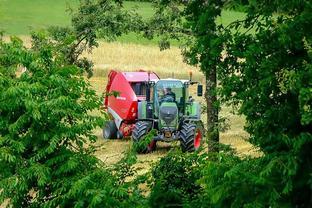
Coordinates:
[139,88]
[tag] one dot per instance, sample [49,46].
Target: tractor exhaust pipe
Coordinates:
[148,91]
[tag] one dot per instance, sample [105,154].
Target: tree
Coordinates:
[268,74]
[106,19]
[206,51]
[46,133]
[194,23]
[94,19]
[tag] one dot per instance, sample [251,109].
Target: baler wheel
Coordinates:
[191,136]
[110,130]
[140,129]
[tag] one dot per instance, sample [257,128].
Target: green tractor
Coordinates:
[174,115]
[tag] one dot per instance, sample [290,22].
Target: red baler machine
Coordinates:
[123,109]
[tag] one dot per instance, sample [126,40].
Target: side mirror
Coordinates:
[199,90]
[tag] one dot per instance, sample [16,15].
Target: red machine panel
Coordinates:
[126,104]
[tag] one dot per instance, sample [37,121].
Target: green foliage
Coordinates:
[46,133]
[267,75]
[104,19]
[142,0]
[174,180]
[222,180]
[141,145]
[232,181]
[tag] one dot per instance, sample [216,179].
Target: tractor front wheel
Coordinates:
[140,130]
[191,136]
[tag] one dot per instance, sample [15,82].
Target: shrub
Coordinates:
[174,179]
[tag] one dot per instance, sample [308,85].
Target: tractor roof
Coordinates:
[172,79]
[139,76]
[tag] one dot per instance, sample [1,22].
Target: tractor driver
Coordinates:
[168,96]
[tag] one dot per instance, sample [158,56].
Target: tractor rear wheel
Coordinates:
[109,130]
[191,136]
[140,130]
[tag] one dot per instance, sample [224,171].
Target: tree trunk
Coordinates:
[212,110]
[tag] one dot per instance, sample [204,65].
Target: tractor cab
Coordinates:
[169,91]
[169,98]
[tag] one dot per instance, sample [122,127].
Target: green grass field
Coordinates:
[20,17]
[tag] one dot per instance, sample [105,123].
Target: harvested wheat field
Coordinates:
[131,57]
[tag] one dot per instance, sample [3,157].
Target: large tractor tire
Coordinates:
[110,130]
[191,137]
[141,129]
